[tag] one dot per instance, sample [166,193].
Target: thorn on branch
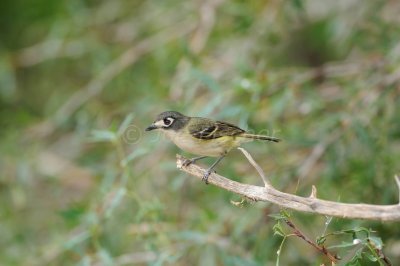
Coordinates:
[397,178]
[179,161]
[253,199]
[313,194]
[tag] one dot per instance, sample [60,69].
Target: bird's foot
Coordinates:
[187,162]
[206,175]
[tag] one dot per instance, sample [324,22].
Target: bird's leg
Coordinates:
[186,162]
[209,170]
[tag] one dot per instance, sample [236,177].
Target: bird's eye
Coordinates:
[168,121]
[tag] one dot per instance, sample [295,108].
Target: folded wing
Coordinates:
[210,129]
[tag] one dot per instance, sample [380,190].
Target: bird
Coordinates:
[203,136]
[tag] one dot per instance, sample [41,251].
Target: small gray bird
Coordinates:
[203,136]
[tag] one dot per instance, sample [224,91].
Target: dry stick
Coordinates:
[322,249]
[265,179]
[304,204]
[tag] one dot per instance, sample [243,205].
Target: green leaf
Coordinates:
[115,201]
[321,240]
[343,245]
[371,256]
[354,261]
[133,155]
[102,135]
[86,261]
[278,230]
[105,257]
[124,125]
[206,80]
[283,214]
[353,232]
[195,236]
[277,216]
[376,242]
[77,239]
[298,4]
[72,214]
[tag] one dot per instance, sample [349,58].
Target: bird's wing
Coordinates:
[210,129]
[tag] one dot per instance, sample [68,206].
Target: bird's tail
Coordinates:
[261,137]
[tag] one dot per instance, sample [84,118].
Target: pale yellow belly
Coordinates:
[213,148]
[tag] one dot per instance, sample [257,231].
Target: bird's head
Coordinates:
[169,120]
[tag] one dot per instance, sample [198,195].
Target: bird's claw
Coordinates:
[206,175]
[187,162]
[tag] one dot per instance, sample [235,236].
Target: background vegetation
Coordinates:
[82,184]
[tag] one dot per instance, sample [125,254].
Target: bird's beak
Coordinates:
[151,127]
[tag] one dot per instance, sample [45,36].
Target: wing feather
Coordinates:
[209,129]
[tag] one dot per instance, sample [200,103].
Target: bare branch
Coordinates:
[265,179]
[333,258]
[304,204]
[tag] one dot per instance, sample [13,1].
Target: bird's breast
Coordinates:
[212,147]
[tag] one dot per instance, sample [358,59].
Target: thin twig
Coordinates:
[265,179]
[322,249]
[294,202]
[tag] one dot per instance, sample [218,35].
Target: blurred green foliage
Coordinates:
[82,184]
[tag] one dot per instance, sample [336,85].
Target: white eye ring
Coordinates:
[168,121]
